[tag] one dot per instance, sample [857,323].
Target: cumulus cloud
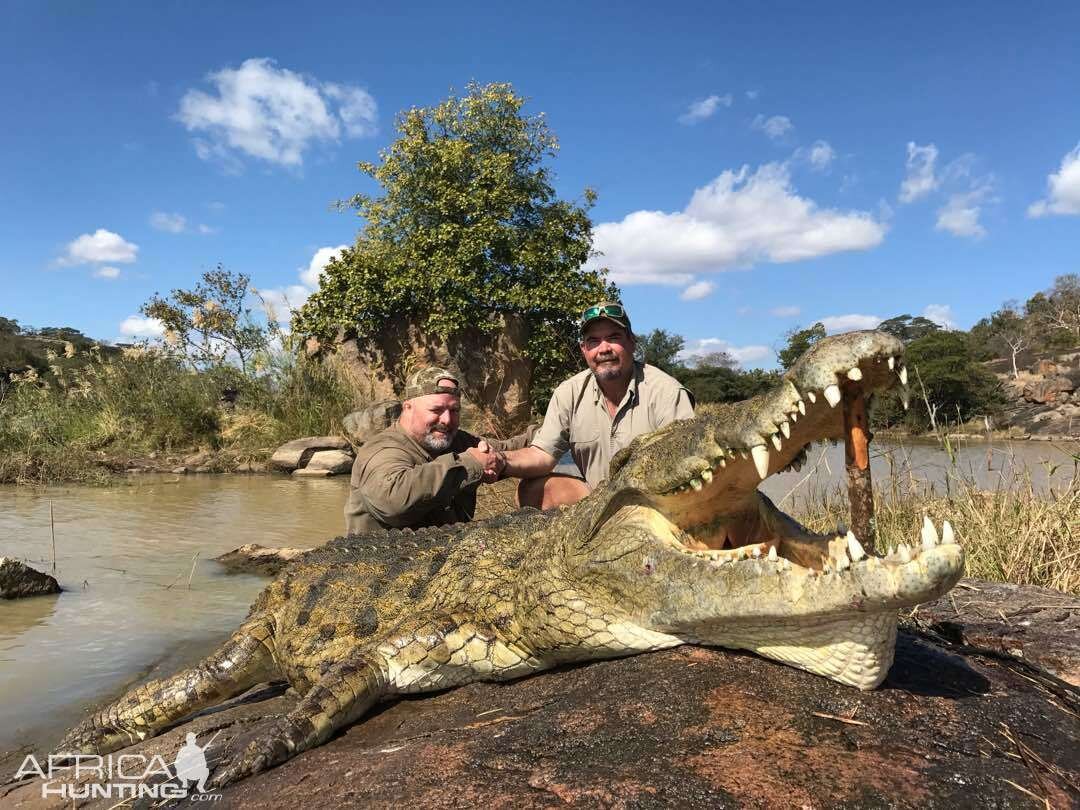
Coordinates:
[322,257]
[820,155]
[706,108]
[920,179]
[941,314]
[99,246]
[107,272]
[697,291]
[848,323]
[785,312]
[1063,189]
[960,214]
[207,230]
[171,223]
[776,126]
[281,301]
[137,326]
[272,114]
[737,220]
[743,355]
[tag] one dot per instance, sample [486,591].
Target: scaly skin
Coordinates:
[676,547]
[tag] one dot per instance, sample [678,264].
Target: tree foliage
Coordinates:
[799,342]
[467,228]
[659,348]
[908,328]
[210,324]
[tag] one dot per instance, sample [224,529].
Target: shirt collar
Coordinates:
[636,377]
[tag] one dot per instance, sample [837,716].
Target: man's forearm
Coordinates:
[529,462]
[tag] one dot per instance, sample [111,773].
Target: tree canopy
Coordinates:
[659,348]
[467,228]
[907,327]
[798,343]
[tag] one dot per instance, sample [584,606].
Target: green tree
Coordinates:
[467,228]
[1054,315]
[908,328]
[9,326]
[210,324]
[659,348]
[799,342]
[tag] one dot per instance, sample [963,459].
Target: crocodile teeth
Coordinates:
[947,536]
[696,484]
[772,554]
[785,428]
[810,395]
[904,552]
[742,454]
[832,395]
[802,406]
[842,562]
[723,463]
[706,476]
[854,374]
[793,416]
[903,375]
[776,441]
[892,363]
[755,552]
[854,548]
[929,534]
[761,460]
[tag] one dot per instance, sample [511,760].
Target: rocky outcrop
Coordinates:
[367,422]
[18,580]
[954,725]
[1048,390]
[252,558]
[1044,401]
[297,454]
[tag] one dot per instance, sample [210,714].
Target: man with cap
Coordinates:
[423,470]
[597,412]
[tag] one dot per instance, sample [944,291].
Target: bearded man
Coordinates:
[597,412]
[423,470]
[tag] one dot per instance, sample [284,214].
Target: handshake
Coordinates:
[494,461]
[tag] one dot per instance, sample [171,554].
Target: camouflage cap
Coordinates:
[426,381]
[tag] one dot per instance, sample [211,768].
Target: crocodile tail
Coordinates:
[246,659]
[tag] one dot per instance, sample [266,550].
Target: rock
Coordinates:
[296,454]
[179,470]
[200,459]
[1047,390]
[1044,368]
[335,462]
[251,467]
[255,559]
[308,472]
[690,728]
[361,425]
[18,580]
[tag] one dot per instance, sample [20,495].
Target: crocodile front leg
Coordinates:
[340,697]
[246,659]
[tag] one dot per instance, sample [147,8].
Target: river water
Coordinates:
[142,594]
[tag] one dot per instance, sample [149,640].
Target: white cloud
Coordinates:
[272,114]
[920,179]
[960,214]
[207,230]
[847,323]
[820,155]
[172,223]
[99,246]
[741,354]
[752,94]
[107,272]
[706,108]
[737,220]
[941,314]
[698,291]
[785,312]
[322,257]
[139,327]
[279,302]
[776,126]
[1063,189]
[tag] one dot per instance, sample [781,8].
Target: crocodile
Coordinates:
[677,546]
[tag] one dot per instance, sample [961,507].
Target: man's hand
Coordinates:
[493,460]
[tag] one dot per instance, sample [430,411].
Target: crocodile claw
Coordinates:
[258,756]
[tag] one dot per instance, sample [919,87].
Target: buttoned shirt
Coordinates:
[577,417]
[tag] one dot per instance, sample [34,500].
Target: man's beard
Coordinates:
[438,441]
[608,371]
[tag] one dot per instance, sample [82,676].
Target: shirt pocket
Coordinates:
[583,440]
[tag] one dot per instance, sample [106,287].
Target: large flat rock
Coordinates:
[297,453]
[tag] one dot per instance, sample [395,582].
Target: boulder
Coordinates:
[1044,368]
[1047,390]
[296,454]
[307,472]
[363,424]
[335,462]
[255,559]
[18,580]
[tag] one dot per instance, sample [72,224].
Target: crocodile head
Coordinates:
[682,538]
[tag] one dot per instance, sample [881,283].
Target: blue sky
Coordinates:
[758,165]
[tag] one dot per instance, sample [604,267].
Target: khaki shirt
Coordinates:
[397,483]
[577,417]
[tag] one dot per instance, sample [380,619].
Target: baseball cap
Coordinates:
[426,381]
[611,310]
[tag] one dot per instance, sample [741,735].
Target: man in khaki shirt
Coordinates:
[597,412]
[423,470]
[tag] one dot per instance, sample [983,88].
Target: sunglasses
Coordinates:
[603,310]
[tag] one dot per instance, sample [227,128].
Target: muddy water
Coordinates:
[125,554]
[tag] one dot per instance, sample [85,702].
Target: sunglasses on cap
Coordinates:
[602,311]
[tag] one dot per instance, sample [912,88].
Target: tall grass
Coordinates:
[80,421]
